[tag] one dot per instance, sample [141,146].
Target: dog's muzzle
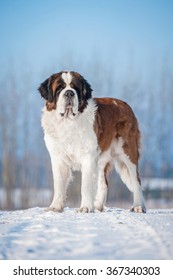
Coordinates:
[69,103]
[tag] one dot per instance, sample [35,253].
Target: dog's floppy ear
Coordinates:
[87,90]
[86,94]
[45,89]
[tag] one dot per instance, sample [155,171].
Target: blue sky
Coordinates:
[41,33]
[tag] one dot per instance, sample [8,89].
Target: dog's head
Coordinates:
[66,92]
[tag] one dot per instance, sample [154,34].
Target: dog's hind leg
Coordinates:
[129,175]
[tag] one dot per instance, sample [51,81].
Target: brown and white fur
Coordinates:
[92,135]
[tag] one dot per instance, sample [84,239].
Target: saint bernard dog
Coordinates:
[92,135]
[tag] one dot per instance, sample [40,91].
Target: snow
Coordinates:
[113,234]
[163,184]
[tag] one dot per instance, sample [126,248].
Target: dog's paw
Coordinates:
[98,206]
[85,210]
[138,209]
[59,210]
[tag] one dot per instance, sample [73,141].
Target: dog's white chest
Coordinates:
[70,140]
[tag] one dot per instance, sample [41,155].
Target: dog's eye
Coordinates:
[75,87]
[59,88]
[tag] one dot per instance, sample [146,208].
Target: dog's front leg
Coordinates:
[88,184]
[61,176]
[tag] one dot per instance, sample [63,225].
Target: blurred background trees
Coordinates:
[25,171]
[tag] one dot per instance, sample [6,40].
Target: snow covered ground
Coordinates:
[113,234]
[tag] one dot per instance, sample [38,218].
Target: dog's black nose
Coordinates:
[69,93]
